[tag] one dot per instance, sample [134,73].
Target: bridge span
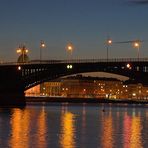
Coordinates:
[15,78]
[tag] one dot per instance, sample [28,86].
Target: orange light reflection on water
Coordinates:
[107,131]
[20,129]
[42,130]
[132,132]
[127,130]
[135,140]
[67,135]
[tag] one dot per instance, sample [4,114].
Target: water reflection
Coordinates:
[107,131]
[26,127]
[83,132]
[68,126]
[127,130]
[20,128]
[67,135]
[135,139]
[132,132]
[42,129]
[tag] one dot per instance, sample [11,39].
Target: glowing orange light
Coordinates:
[84,89]
[109,41]
[69,47]
[18,50]
[22,49]
[67,138]
[136,44]
[26,50]
[42,44]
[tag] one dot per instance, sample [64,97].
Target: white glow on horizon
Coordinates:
[101,75]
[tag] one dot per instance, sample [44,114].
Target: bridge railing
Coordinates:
[105,60]
[77,61]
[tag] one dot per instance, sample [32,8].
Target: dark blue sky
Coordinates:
[85,23]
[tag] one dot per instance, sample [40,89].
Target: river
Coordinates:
[63,125]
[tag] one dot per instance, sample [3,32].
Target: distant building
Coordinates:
[50,88]
[77,87]
[90,87]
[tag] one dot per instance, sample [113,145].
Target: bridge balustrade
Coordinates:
[77,61]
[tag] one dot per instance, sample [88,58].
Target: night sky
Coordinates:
[85,23]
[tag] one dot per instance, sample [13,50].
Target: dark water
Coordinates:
[74,126]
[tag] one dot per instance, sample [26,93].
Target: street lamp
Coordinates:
[22,50]
[42,45]
[137,45]
[108,43]
[70,48]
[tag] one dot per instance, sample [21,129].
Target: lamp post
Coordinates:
[69,49]
[108,43]
[137,45]
[42,45]
[22,50]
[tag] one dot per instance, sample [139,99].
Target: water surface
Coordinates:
[64,125]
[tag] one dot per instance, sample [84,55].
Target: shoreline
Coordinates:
[81,100]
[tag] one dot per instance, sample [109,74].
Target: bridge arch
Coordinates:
[35,74]
[15,78]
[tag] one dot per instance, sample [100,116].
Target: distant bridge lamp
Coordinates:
[108,43]
[69,49]
[19,68]
[22,50]
[128,66]
[137,45]
[42,45]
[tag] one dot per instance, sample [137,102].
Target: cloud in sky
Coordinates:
[139,2]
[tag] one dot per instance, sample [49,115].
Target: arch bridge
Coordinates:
[15,78]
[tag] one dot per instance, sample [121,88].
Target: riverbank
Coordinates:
[83,100]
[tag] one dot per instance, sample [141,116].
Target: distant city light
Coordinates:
[134,94]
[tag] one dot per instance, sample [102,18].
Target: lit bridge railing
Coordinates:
[77,61]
